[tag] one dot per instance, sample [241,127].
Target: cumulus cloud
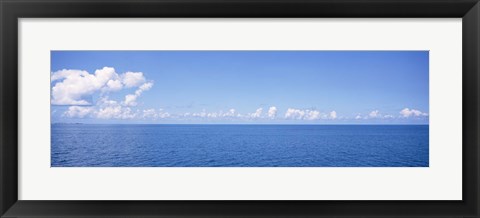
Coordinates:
[78,111]
[62,74]
[153,114]
[106,101]
[257,114]
[144,87]
[231,113]
[272,112]
[113,85]
[112,110]
[293,113]
[312,115]
[406,112]
[133,79]
[333,115]
[162,114]
[131,99]
[298,114]
[74,87]
[201,114]
[150,114]
[106,108]
[77,84]
[374,114]
[115,112]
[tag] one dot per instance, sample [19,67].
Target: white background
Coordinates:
[441,181]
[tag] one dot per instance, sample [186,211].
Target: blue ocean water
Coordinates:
[90,145]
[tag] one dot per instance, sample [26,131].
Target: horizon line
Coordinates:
[260,124]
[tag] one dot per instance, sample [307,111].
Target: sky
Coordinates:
[240,87]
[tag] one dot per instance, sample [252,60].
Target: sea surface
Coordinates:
[95,145]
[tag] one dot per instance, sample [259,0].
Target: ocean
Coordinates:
[99,145]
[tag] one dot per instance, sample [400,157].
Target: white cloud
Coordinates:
[333,115]
[312,115]
[113,85]
[358,117]
[374,114]
[144,87]
[154,114]
[212,115]
[162,114]
[297,114]
[78,111]
[62,74]
[257,114]
[272,112]
[406,112]
[105,101]
[201,114]
[73,87]
[115,112]
[133,79]
[105,109]
[76,84]
[130,100]
[150,114]
[294,114]
[105,74]
[229,113]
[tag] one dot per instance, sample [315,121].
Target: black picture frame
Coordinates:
[12,10]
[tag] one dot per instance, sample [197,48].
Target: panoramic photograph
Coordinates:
[239,108]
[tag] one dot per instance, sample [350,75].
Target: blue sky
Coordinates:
[288,87]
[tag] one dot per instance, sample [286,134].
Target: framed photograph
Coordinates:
[224,108]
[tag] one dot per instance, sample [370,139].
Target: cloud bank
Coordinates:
[73,87]
[88,95]
[76,88]
[406,112]
[110,109]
